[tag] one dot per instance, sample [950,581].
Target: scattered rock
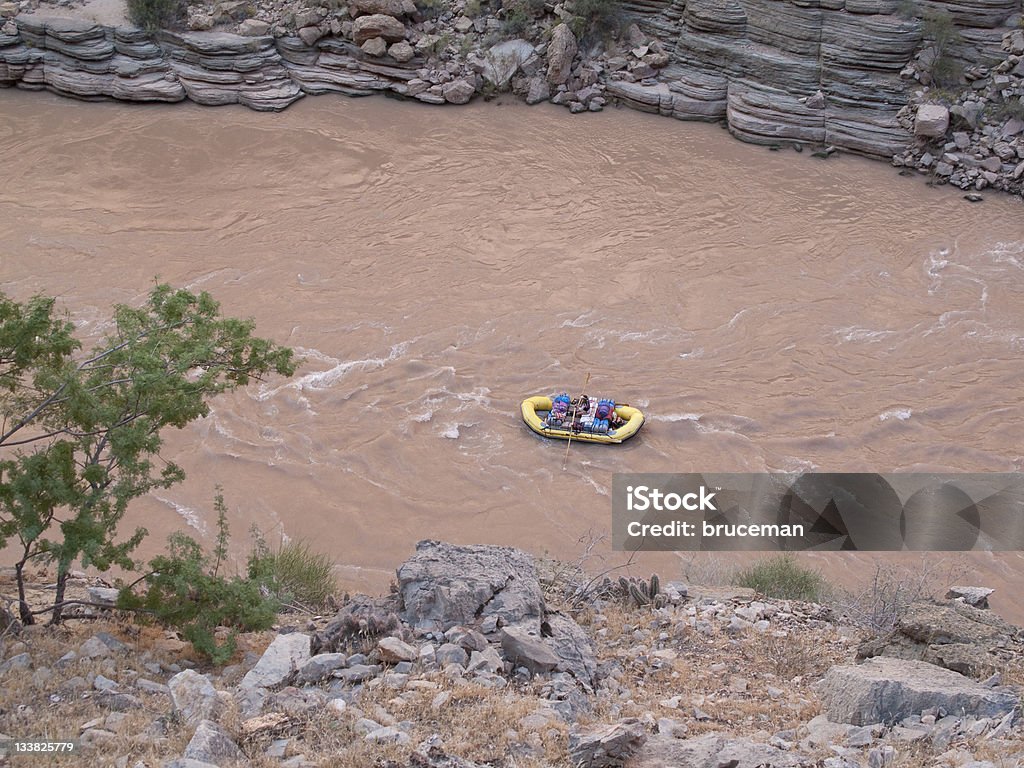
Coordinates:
[932,120]
[606,746]
[392,650]
[253,28]
[375,46]
[401,52]
[194,697]
[561,53]
[285,655]
[320,667]
[529,650]
[458,91]
[211,744]
[377,25]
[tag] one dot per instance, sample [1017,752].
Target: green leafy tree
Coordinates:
[80,436]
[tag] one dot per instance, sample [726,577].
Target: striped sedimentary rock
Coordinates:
[220,68]
[762,63]
[85,60]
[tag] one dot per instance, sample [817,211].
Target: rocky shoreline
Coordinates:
[829,75]
[469,663]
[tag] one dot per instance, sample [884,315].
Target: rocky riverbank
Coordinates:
[847,75]
[474,660]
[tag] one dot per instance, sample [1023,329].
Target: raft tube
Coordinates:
[533,406]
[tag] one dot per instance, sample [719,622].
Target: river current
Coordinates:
[433,266]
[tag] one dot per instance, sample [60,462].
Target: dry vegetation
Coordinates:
[660,669]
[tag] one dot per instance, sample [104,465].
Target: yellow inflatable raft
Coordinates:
[533,407]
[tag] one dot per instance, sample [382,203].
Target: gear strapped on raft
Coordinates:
[582,414]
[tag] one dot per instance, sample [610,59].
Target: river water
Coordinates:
[768,310]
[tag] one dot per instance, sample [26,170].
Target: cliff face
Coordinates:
[760,64]
[818,72]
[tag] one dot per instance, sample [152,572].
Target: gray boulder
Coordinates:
[606,746]
[458,91]
[392,650]
[401,52]
[319,667]
[561,52]
[539,90]
[527,649]
[711,751]
[887,690]
[194,697]
[21,661]
[954,635]
[443,585]
[285,655]
[397,8]
[449,653]
[571,644]
[504,59]
[253,28]
[211,744]
[377,25]
[375,46]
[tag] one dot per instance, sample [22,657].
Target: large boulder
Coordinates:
[285,655]
[504,59]
[973,596]
[377,25]
[397,8]
[444,585]
[711,750]
[458,91]
[572,645]
[194,697]
[953,635]
[885,690]
[606,746]
[561,52]
[526,649]
[211,744]
[932,121]
[320,667]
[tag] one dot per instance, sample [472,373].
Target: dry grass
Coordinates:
[753,684]
[726,677]
[476,722]
[27,709]
[884,599]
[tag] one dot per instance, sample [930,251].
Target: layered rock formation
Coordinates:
[78,58]
[804,72]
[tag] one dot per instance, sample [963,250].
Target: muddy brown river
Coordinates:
[433,266]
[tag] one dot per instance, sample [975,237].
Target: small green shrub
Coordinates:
[907,9]
[939,27]
[431,9]
[518,16]
[1006,111]
[184,592]
[782,577]
[152,15]
[294,574]
[595,17]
